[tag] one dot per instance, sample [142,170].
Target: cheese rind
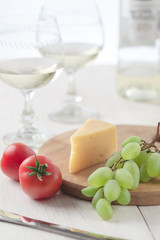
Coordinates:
[93,143]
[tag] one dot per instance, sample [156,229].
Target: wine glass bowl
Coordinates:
[82,37]
[22,66]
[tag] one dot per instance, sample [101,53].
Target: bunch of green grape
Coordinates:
[137,161]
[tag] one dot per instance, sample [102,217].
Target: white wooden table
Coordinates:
[97,84]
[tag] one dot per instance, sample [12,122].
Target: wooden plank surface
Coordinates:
[58,149]
[151,215]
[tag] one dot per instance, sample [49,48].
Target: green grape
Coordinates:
[124,197]
[112,190]
[124,178]
[144,177]
[89,191]
[97,196]
[130,151]
[104,209]
[141,158]
[134,171]
[99,177]
[153,164]
[113,158]
[131,139]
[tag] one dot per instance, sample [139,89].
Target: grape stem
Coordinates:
[115,164]
[124,161]
[146,146]
[157,137]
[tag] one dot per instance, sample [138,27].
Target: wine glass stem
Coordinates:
[28,115]
[72,95]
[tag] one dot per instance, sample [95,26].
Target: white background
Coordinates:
[109,11]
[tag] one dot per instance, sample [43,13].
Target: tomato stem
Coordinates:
[39,170]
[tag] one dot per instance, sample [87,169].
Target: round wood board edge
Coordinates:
[58,150]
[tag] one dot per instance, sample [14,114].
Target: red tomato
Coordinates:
[12,158]
[42,180]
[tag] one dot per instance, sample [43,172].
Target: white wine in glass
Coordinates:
[83,37]
[22,66]
[28,73]
[76,54]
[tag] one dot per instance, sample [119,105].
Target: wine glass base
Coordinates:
[140,93]
[34,141]
[73,113]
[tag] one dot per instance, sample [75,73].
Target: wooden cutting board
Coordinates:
[58,150]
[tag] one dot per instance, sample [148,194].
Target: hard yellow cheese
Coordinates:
[93,143]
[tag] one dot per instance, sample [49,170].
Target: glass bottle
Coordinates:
[138,70]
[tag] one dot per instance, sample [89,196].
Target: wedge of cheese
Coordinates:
[93,143]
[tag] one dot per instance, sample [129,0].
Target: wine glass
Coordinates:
[22,66]
[83,37]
